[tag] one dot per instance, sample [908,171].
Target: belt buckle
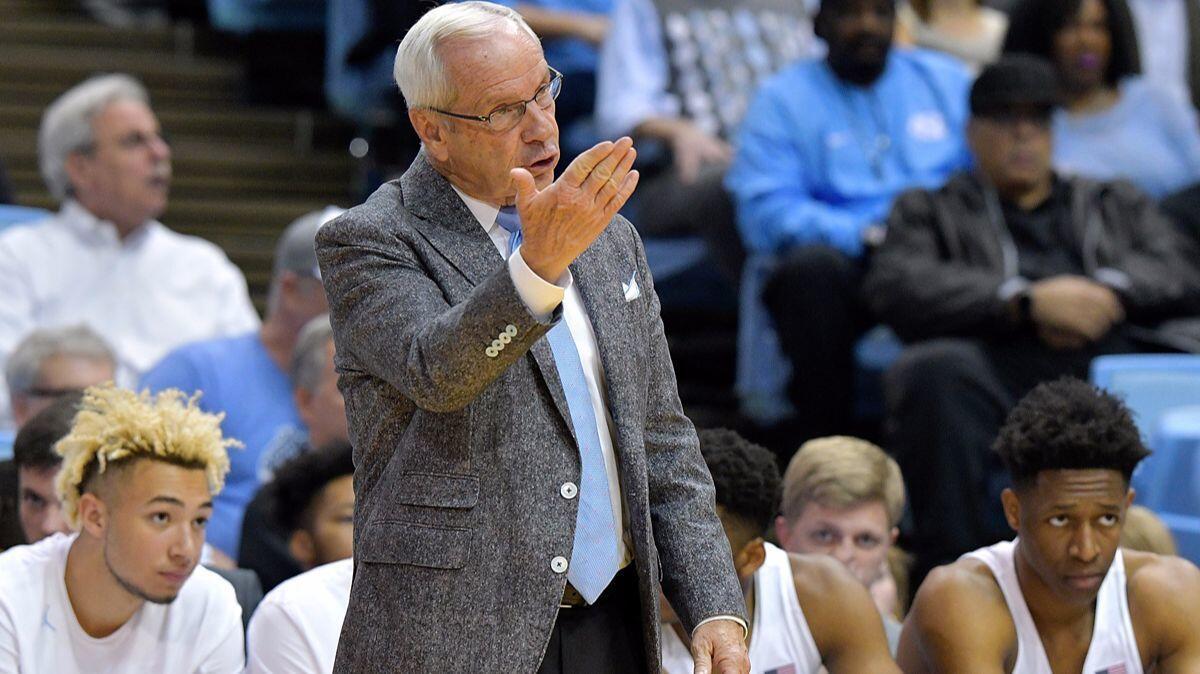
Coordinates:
[571,598]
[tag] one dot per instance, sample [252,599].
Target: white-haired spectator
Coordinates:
[51,362]
[248,376]
[104,260]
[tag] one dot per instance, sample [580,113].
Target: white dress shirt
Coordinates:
[145,295]
[541,298]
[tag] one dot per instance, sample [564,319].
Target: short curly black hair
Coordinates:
[1066,424]
[293,489]
[745,475]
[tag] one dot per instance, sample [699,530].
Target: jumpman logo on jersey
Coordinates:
[46,620]
[1115,669]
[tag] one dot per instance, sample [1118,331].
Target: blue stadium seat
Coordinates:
[1153,386]
[1150,383]
[763,370]
[19,215]
[1172,485]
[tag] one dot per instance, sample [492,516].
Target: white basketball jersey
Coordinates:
[780,642]
[1113,649]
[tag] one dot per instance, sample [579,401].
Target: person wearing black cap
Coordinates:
[1006,276]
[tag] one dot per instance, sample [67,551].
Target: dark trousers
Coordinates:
[666,207]
[946,400]
[604,638]
[813,299]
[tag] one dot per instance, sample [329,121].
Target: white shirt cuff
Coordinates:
[739,621]
[539,296]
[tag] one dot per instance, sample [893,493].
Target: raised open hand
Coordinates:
[561,221]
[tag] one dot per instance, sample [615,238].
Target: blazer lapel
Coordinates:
[445,221]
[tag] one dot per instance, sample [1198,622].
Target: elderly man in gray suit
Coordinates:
[526,479]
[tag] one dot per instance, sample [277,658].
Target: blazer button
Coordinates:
[568,490]
[504,338]
[511,330]
[559,564]
[491,351]
[497,344]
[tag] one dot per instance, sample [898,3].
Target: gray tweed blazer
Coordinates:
[460,455]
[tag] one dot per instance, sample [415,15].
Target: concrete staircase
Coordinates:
[241,172]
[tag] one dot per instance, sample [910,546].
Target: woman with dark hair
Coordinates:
[1113,123]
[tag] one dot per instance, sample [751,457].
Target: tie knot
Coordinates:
[508,219]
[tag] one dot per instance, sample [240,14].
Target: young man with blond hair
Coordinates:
[124,593]
[844,497]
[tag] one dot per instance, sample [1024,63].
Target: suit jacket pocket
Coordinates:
[387,542]
[437,490]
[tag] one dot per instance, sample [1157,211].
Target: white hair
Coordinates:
[78,341]
[67,124]
[419,70]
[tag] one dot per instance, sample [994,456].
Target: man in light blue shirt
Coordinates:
[824,148]
[678,75]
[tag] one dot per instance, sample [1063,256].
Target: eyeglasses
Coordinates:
[505,118]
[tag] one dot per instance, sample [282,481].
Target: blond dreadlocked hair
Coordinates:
[115,425]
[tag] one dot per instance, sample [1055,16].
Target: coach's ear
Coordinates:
[303,548]
[1012,507]
[431,131]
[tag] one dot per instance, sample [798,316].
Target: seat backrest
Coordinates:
[1151,384]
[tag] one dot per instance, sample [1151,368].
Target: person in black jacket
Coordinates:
[1005,277]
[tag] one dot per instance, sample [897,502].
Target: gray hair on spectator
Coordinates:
[419,70]
[296,251]
[25,362]
[309,356]
[67,124]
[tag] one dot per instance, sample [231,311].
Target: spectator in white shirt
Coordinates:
[296,627]
[104,260]
[124,593]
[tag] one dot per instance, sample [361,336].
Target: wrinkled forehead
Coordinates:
[499,69]
[123,116]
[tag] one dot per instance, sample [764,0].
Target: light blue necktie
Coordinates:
[595,556]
